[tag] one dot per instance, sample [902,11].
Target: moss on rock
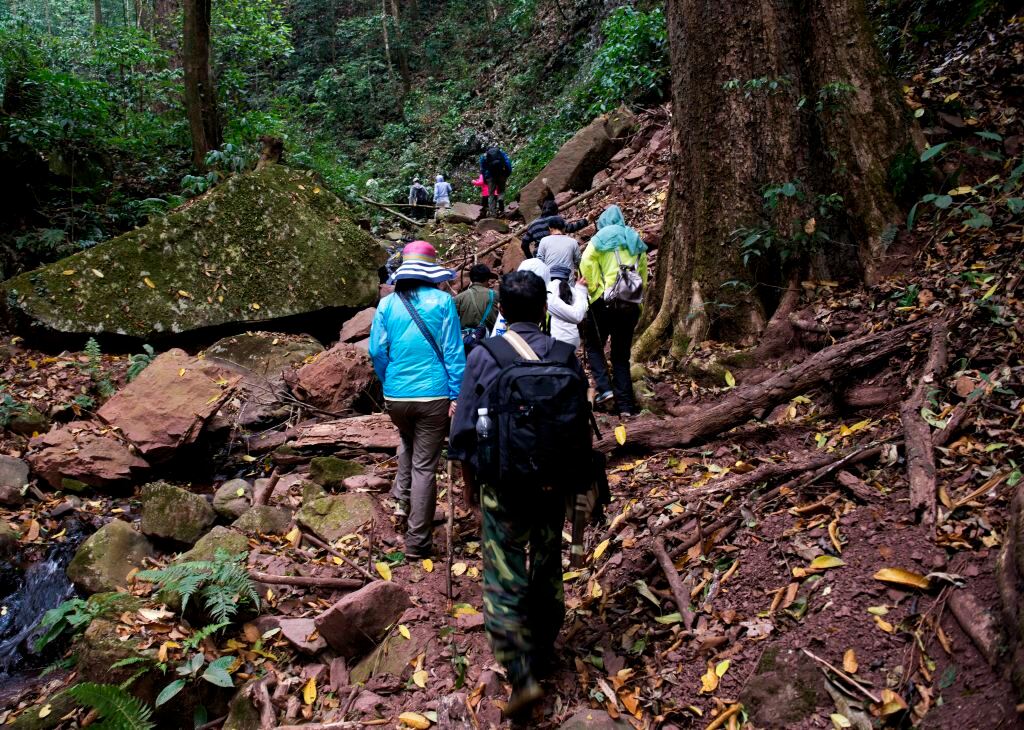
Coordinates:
[264,520]
[333,517]
[219,537]
[174,513]
[104,561]
[258,247]
[330,471]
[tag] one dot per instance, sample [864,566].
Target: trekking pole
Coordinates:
[450,536]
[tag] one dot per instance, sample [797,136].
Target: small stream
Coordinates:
[43,586]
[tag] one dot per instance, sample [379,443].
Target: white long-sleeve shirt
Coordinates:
[565,318]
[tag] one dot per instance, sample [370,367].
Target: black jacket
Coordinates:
[540,228]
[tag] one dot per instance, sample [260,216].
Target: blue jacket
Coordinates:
[405,362]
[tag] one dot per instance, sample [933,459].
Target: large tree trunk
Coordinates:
[97,15]
[200,95]
[766,92]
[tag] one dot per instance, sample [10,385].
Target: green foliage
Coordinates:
[117,709]
[93,367]
[139,362]
[10,407]
[222,584]
[73,616]
[768,85]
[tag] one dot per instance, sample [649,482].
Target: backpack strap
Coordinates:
[519,344]
[501,350]
[490,303]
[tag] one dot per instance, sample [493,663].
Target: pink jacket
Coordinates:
[484,190]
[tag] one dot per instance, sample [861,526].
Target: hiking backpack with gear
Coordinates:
[422,198]
[628,287]
[494,163]
[542,418]
[473,336]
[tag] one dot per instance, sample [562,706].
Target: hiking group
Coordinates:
[497,373]
[495,170]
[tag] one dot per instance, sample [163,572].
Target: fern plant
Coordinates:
[222,584]
[10,408]
[94,369]
[138,363]
[73,616]
[117,709]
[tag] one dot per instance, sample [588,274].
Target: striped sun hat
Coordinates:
[419,262]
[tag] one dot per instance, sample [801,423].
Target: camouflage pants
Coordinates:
[523,595]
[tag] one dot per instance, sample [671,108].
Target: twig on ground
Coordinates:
[314,540]
[844,676]
[306,581]
[262,495]
[679,591]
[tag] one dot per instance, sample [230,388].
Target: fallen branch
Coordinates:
[306,581]
[392,211]
[979,625]
[261,496]
[845,677]
[741,404]
[819,328]
[314,540]
[679,591]
[345,725]
[724,717]
[260,696]
[919,448]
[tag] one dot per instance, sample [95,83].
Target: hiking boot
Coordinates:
[401,508]
[604,397]
[525,696]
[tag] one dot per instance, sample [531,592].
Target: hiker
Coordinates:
[567,306]
[615,267]
[477,306]
[496,167]
[484,192]
[558,249]
[419,198]
[551,223]
[521,469]
[442,193]
[416,347]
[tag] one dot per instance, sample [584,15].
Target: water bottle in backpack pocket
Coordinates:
[628,287]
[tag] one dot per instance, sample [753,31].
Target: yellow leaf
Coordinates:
[97,273]
[181,372]
[962,190]
[840,721]
[952,97]
[183,293]
[722,667]
[595,590]
[599,550]
[464,609]
[412,719]
[459,568]
[420,677]
[248,458]
[316,191]
[883,625]
[824,562]
[892,702]
[255,305]
[571,575]
[384,569]
[902,577]
[620,434]
[293,536]
[404,631]
[878,610]
[240,492]
[67,272]
[729,379]
[709,680]
[850,661]
[428,565]
[309,691]
[45,710]
[991,291]
[148,282]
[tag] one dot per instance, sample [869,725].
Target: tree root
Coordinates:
[1010,580]
[679,591]
[979,625]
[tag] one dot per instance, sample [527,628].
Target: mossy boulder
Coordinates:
[259,247]
[105,559]
[174,513]
[394,655]
[330,472]
[45,715]
[232,498]
[264,520]
[266,353]
[219,538]
[330,518]
[29,422]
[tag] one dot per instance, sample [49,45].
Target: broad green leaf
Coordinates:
[170,691]
[669,618]
[933,151]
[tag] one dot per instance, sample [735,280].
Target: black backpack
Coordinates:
[541,421]
[495,163]
[422,198]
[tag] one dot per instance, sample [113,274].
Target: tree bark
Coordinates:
[200,94]
[747,81]
[97,15]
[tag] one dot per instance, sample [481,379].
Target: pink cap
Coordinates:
[419,251]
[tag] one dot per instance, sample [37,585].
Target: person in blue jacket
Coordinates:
[417,351]
[496,167]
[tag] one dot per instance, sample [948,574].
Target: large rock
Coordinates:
[335,516]
[578,160]
[166,407]
[395,654]
[302,634]
[358,327]
[463,213]
[86,453]
[330,472]
[359,620]
[13,472]
[266,353]
[28,422]
[256,402]
[105,559]
[264,520]
[375,432]
[174,513]
[259,247]
[512,257]
[232,498]
[219,538]
[335,380]
[492,224]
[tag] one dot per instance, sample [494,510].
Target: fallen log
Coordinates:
[918,434]
[679,591]
[261,496]
[306,581]
[1010,581]
[392,211]
[741,404]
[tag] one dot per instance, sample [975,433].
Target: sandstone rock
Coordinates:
[13,472]
[105,559]
[358,327]
[374,433]
[265,353]
[367,703]
[11,496]
[394,655]
[335,516]
[599,178]
[336,380]
[564,197]
[53,713]
[512,257]
[330,472]
[464,213]
[578,160]
[86,453]
[222,538]
[257,402]
[232,498]
[311,491]
[492,224]
[29,422]
[174,513]
[166,407]
[100,648]
[636,174]
[264,520]
[242,713]
[587,719]
[367,482]
[359,620]
[302,634]
[258,247]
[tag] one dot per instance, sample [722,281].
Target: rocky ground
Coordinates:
[778,553]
